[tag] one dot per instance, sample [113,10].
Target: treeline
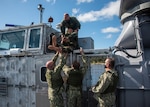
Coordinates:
[97,59]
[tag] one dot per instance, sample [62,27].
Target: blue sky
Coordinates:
[99,18]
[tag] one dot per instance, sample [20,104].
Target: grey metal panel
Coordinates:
[134,81]
[18,70]
[130,7]
[131,98]
[144,25]
[42,99]
[147,55]
[126,38]
[126,5]
[86,43]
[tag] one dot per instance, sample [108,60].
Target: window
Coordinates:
[34,40]
[43,72]
[12,40]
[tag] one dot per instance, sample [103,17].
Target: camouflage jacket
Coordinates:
[75,77]
[53,77]
[73,23]
[104,90]
[106,83]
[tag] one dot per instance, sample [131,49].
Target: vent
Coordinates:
[3,86]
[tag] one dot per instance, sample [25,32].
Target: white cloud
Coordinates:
[110,30]
[109,36]
[84,1]
[75,11]
[53,1]
[110,10]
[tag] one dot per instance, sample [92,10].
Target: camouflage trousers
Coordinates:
[74,98]
[106,100]
[72,44]
[55,97]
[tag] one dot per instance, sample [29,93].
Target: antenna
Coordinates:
[41,9]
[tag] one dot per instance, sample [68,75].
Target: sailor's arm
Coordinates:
[62,62]
[84,60]
[102,83]
[55,57]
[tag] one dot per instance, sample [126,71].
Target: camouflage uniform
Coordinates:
[73,24]
[74,84]
[55,83]
[105,89]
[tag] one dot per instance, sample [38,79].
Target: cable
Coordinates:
[116,48]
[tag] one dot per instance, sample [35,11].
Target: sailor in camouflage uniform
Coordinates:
[75,76]
[55,81]
[105,88]
[69,39]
